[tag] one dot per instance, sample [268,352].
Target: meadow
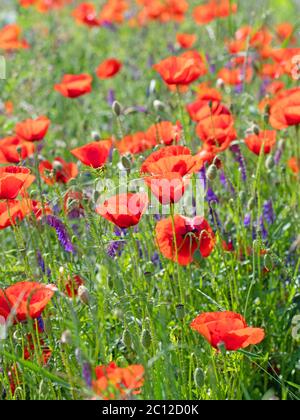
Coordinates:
[149,200]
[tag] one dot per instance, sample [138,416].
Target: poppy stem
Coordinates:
[186,134]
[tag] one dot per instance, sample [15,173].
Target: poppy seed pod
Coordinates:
[199,377]
[126,163]
[212,172]
[180,312]
[255,129]
[66,338]
[251,203]
[126,338]
[117,108]
[270,162]
[96,136]
[146,338]
[83,295]
[158,105]
[57,166]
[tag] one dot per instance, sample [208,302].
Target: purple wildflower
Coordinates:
[247,220]
[269,212]
[240,160]
[226,183]
[202,177]
[41,324]
[42,265]
[115,248]
[211,196]
[111,97]
[61,232]
[87,374]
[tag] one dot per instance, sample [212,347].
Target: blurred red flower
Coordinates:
[109,68]
[73,86]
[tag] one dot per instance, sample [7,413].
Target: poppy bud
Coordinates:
[212,172]
[210,104]
[242,195]
[255,129]
[257,245]
[66,337]
[266,118]
[96,136]
[146,339]
[199,377]
[251,203]
[57,166]
[117,108]
[270,162]
[152,86]
[127,338]
[158,105]
[180,312]
[126,163]
[83,295]
[220,83]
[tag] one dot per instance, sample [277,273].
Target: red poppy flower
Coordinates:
[32,130]
[12,211]
[164,132]
[113,381]
[73,86]
[172,159]
[178,70]
[186,40]
[206,13]
[109,68]
[10,38]
[201,109]
[217,131]
[93,154]
[73,285]
[26,299]
[169,187]
[135,143]
[207,93]
[12,180]
[285,110]
[190,234]
[227,328]
[236,76]
[294,165]
[113,11]
[85,14]
[124,210]
[285,31]
[208,154]
[59,171]
[14,150]
[265,140]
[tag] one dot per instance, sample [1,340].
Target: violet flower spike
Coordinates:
[61,232]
